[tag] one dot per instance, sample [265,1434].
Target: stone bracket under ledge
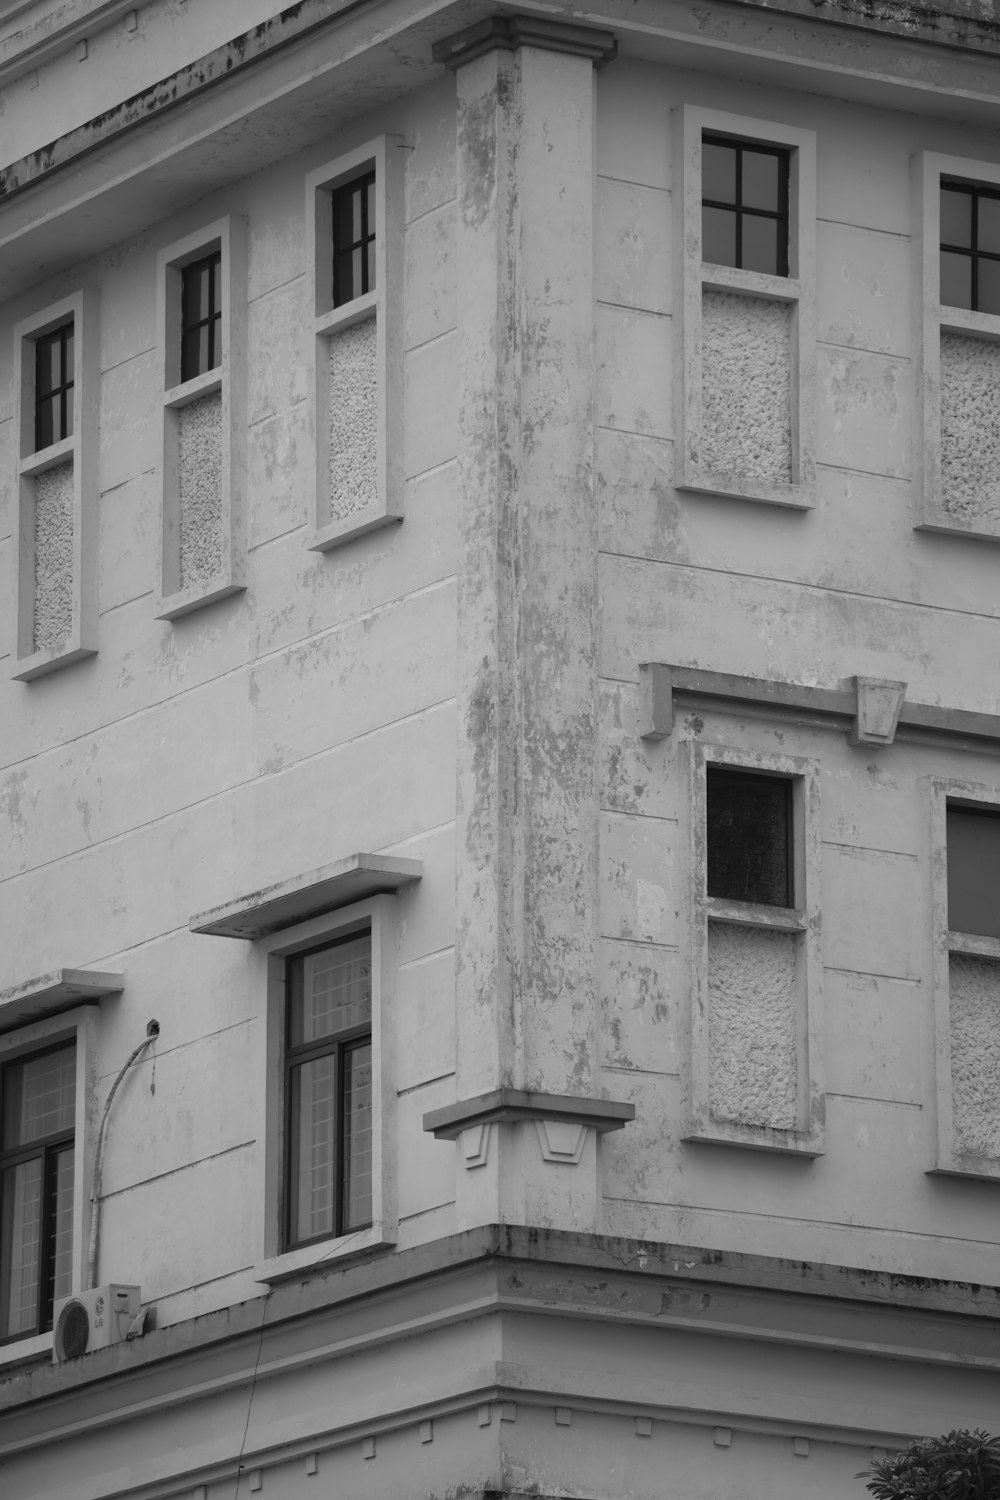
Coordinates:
[561,1120]
[873,711]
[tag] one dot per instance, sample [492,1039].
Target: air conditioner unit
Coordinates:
[92,1320]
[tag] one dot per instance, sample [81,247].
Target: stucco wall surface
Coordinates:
[353,420]
[53,616]
[970,427]
[975,1054]
[752,1025]
[745,382]
[199,478]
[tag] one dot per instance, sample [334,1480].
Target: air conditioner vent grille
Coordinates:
[75,1330]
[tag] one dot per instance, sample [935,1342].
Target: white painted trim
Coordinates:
[945,1155]
[807,1138]
[81,450]
[230,236]
[693,277]
[379,914]
[385,305]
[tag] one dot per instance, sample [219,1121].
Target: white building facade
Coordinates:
[498,746]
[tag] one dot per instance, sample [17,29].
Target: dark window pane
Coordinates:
[956,279]
[718,174]
[344,288]
[988,299]
[217,283]
[749,827]
[718,236]
[46,421]
[357,1190]
[39,1097]
[194,352]
[213,355]
[371,207]
[988,225]
[196,286]
[761,239]
[61,1228]
[357,213]
[20,1246]
[314,1133]
[48,364]
[956,217]
[343,221]
[371,265]
[67,421]
[762,181]
[973,872]
[68,355]
[331,991]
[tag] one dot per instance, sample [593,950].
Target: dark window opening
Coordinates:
[974,871]
[749,828]
[328,1091]
[744,215]
[353,239]
[37,1124]
[970,247]
[54,383]
[201,316]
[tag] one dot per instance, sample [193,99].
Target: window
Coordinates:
[56,385]
[328,1088]
[37,1161]
[744,215]
[54,382]
[970,246]
[201,316]
[753,1071]
[974,870]
[745,307]
[749,837]
[354,223]
[353,234]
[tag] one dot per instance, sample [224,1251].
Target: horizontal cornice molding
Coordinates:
[512,1105]
[507,33]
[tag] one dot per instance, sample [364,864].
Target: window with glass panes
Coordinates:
[970,246]
[744,213]
[37,1119]
[201,315]
[328,1090]
[973,836]
[749,837]
[353,239]
[54,382]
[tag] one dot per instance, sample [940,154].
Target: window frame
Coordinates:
[79,1025]
[783,216]
[79,448]
[384,156]
[931,318]
[946,1155]
[228,236]
[693,277]
[277,1258]
[807,1137]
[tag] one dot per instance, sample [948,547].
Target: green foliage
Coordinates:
[962,1466]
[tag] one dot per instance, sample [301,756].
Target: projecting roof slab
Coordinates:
[47,994]
[304,896]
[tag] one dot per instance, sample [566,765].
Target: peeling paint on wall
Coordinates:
[353,420]
[752,1025]
[53,617]
[975,1054]
[199,471]
[970,427]
[746,386]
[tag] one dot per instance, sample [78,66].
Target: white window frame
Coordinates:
[378,913]
[79,1025]
[80,449]
[807,1138]
[229,377]
[693,277]
[385,305]
[947,1158]
[930,319]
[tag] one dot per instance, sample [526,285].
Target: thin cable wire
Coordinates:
[253,1387]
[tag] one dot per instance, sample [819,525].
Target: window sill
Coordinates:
[315,1257]
[204,384]
[39,663]
[50,457]
[32,1349]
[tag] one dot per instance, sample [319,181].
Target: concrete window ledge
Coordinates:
[276,907]
[48,994]
[512,1105]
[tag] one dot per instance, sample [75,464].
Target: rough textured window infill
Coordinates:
[746,386]
[353,420]
[53,616]
[199,474]
[975,1054]
[753,1025]
[970,427]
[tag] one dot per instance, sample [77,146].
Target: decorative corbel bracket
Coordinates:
[880,702]
[562,1122]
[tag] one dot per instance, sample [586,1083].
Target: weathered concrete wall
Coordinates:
[746,371]
[353,480]
[752,1025]
[199,484]
[53,602]
[970,428]
[304,720]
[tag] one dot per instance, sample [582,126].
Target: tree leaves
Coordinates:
[962,1466]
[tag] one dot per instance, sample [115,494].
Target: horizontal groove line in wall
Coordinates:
[175,1171]
[835,1224]
[414,1088]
